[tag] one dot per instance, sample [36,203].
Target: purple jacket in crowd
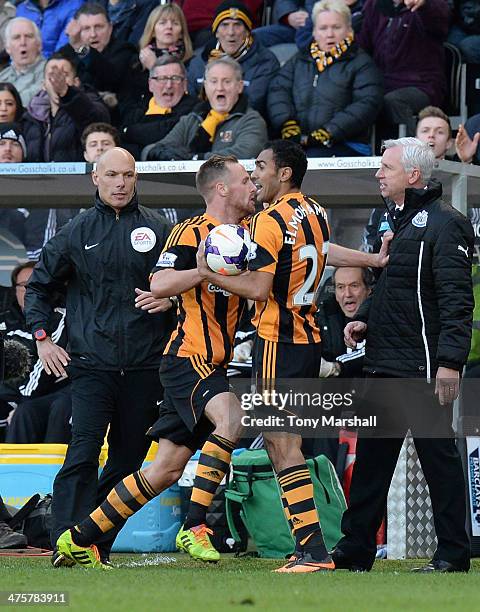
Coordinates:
[406,46]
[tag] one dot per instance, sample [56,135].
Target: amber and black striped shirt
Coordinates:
[291,238]
[208,316]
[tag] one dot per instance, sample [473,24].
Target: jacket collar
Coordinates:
[418,198]
[106,209]
[241,106]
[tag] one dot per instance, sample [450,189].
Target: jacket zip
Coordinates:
[420,307]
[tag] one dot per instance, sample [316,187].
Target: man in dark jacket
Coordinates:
[406,41]
[156,115]
[465,30]
[232,27]
[116,331]
[328,96]
[59,113]
[224,124]
[418,326]
[43,401]
[352,287]
[104,63]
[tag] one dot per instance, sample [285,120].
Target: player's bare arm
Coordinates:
[251,285]
[167,283]
[339,256]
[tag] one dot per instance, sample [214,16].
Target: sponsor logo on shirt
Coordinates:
[143,239]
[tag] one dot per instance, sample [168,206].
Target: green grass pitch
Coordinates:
[172,582]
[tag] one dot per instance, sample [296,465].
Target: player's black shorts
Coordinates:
[274,360]
[189,384]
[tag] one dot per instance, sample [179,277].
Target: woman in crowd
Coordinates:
[328,96]
[11,108]
[165,33]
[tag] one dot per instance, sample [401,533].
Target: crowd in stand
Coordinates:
[189,79]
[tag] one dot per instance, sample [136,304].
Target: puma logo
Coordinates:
[463,249]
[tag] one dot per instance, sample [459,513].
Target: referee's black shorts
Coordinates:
[189,384]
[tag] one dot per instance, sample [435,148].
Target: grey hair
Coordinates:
[415,154]
[228,61]
[12,22]
[332,6]
[166,60]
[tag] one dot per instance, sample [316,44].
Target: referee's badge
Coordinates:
[143,239]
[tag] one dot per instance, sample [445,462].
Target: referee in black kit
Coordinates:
[116,330]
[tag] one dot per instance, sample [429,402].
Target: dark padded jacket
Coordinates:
[58,138]
[103,257]
[420,314]
[332,321]
[259,65]
[140,130]
[344,99]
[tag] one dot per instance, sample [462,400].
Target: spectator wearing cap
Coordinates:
[104,63]
[406,40]
[327,97]
[232,26]
[33,227]
[152,119]
[23,44]
[51,17]
[59,113]
[224,124]
[199,16]
[13,149]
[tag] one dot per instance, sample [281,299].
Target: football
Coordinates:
[227,248]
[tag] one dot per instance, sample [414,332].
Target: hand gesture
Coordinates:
[147,58]
[383,254]
[354,332]
[57,81]
[414,5]
[53,357]
[297,19]
[465,146]
[146,301]
[73,31]
[202,266]
[447,385]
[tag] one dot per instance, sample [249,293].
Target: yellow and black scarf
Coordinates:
[239,53]
[323,59]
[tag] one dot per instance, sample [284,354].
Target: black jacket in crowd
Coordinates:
[141,130]
[332,321]
[95,255]
[109,70]
[344,99]
[420,314]
[57,138]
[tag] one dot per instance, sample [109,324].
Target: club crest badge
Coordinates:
[420,219]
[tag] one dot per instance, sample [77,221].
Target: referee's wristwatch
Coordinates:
[40,335]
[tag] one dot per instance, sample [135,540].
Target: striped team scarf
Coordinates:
[323,59]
